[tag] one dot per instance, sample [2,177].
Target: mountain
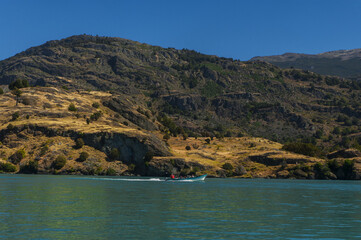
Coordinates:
[162,110]
[342,63]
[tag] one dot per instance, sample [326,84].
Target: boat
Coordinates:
[188,179]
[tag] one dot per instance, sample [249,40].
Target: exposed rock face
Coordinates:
[125,110]
[345,153]
[132,149]
[186,102]
[268,159]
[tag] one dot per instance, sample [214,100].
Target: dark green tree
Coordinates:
[17,93]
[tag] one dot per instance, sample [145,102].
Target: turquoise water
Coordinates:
[68,207]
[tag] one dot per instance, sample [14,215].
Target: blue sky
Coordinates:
[229,28]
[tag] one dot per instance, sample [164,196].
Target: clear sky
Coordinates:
[229,28]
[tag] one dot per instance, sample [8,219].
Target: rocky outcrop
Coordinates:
[133,149]
[125,110]
[269,159]
[345,153]
[186,102]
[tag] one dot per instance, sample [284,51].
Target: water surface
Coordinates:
[71,207]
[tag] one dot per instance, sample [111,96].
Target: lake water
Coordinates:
[79,207]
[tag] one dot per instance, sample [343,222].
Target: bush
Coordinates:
[348,168]
[131,167]
[227,166]
[95,116]
[7,167]
[83,156]
[166,136]
[19,84]
[30,167]
[15,116]
[59,162]
[79,143]
[17,156]
[43,150]
[10,127]
[1,91]
[302,148]
[111,172]
[125,123]
[95,105]
[72,107]
[322,170]
[188,148]
[185,136]
[114,154]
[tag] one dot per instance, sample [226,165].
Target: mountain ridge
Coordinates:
[342,63]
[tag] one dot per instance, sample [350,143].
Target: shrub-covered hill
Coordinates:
[342,63]
[58,131]
[196,94]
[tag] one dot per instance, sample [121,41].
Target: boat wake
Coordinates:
[141,179]
[132,179]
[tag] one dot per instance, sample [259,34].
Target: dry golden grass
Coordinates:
[235,151]
[50,108]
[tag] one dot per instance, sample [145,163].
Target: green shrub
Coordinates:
[166,136]
[44,149]
[95,105]
[131,167]
[188,148]
[348,168]
[10,127]
[30,167]
[83,156]
[79,143]
[18,156]
[1,91]
[15,116]
[227,166]
[111,172]
[72,107]
[322,170]
[95,116]
[59,162]
[125,123]
[7,167]
[19,84]
[114,154]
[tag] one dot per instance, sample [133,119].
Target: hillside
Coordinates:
[152,103]
[342,63]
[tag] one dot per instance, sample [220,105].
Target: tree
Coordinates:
[17,92]
[1,91]
[114,154]
[83,156]
[95,105]
[59,162]
[72,107]
[19,84]
[79,143]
